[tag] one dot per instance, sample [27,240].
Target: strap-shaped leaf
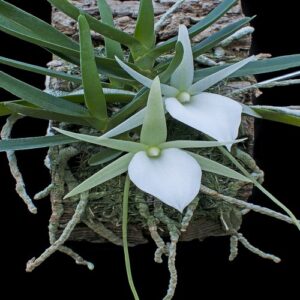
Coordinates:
[100,27]
[144,29]
[35,26]
[39,98]
[112,48]
[154,129]
[126,146]
[211,18]
[196,144]
[114,169]
[209,165]
[286,115]
[259,186]
[35,142]
[256,67]
[104,156]
[213,79]
[105,65]
[214,39]
[39,70]
[93,93]
[44,114]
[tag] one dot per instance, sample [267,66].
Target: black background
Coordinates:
[203,267]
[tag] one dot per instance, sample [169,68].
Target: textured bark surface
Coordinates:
[125,14]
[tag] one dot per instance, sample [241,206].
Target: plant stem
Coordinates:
[124,235]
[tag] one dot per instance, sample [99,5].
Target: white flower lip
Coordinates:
[174,177]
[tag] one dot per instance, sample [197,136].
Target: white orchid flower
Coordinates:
[215,115]
[155,166]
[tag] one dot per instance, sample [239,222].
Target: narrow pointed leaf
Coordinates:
[36,26]
[211,18]
[211,80]
[259,186]
[286,115]
[39,98]
[35,142]
[214,39]
[39,70]
[166,89]
[256,67]
[38,113]
[211,166]
[196,144]
[154,129]
[98,26]
[144,29]
[112,48]
[105,65]
[247,110]
[93,93]
[104,156]
[114,169]
[121,145]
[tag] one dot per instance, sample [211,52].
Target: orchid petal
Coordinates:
[154,130]
[167,90]
[183,76]
[215,115]
[132,122]
[214,78]
[174,177]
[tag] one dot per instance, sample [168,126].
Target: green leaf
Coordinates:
[35,142]
[105,65]
[257,67]
[211,18]
[98,26]
[112,48]
[171,66]
[39,98]
[144,29]
[114,169]
[93,93]
[44,114]
[259,186]
[39,70]
[286,115]
[217,168]
[31,24]
[104,156]
[214,39]
[121,145]
[196,144]
[154,129]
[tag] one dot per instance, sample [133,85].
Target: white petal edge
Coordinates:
[213,79]
[174,177]
[167,90]
[183,76]
[215,115]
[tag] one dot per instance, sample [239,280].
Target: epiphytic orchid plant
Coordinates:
[130,127]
